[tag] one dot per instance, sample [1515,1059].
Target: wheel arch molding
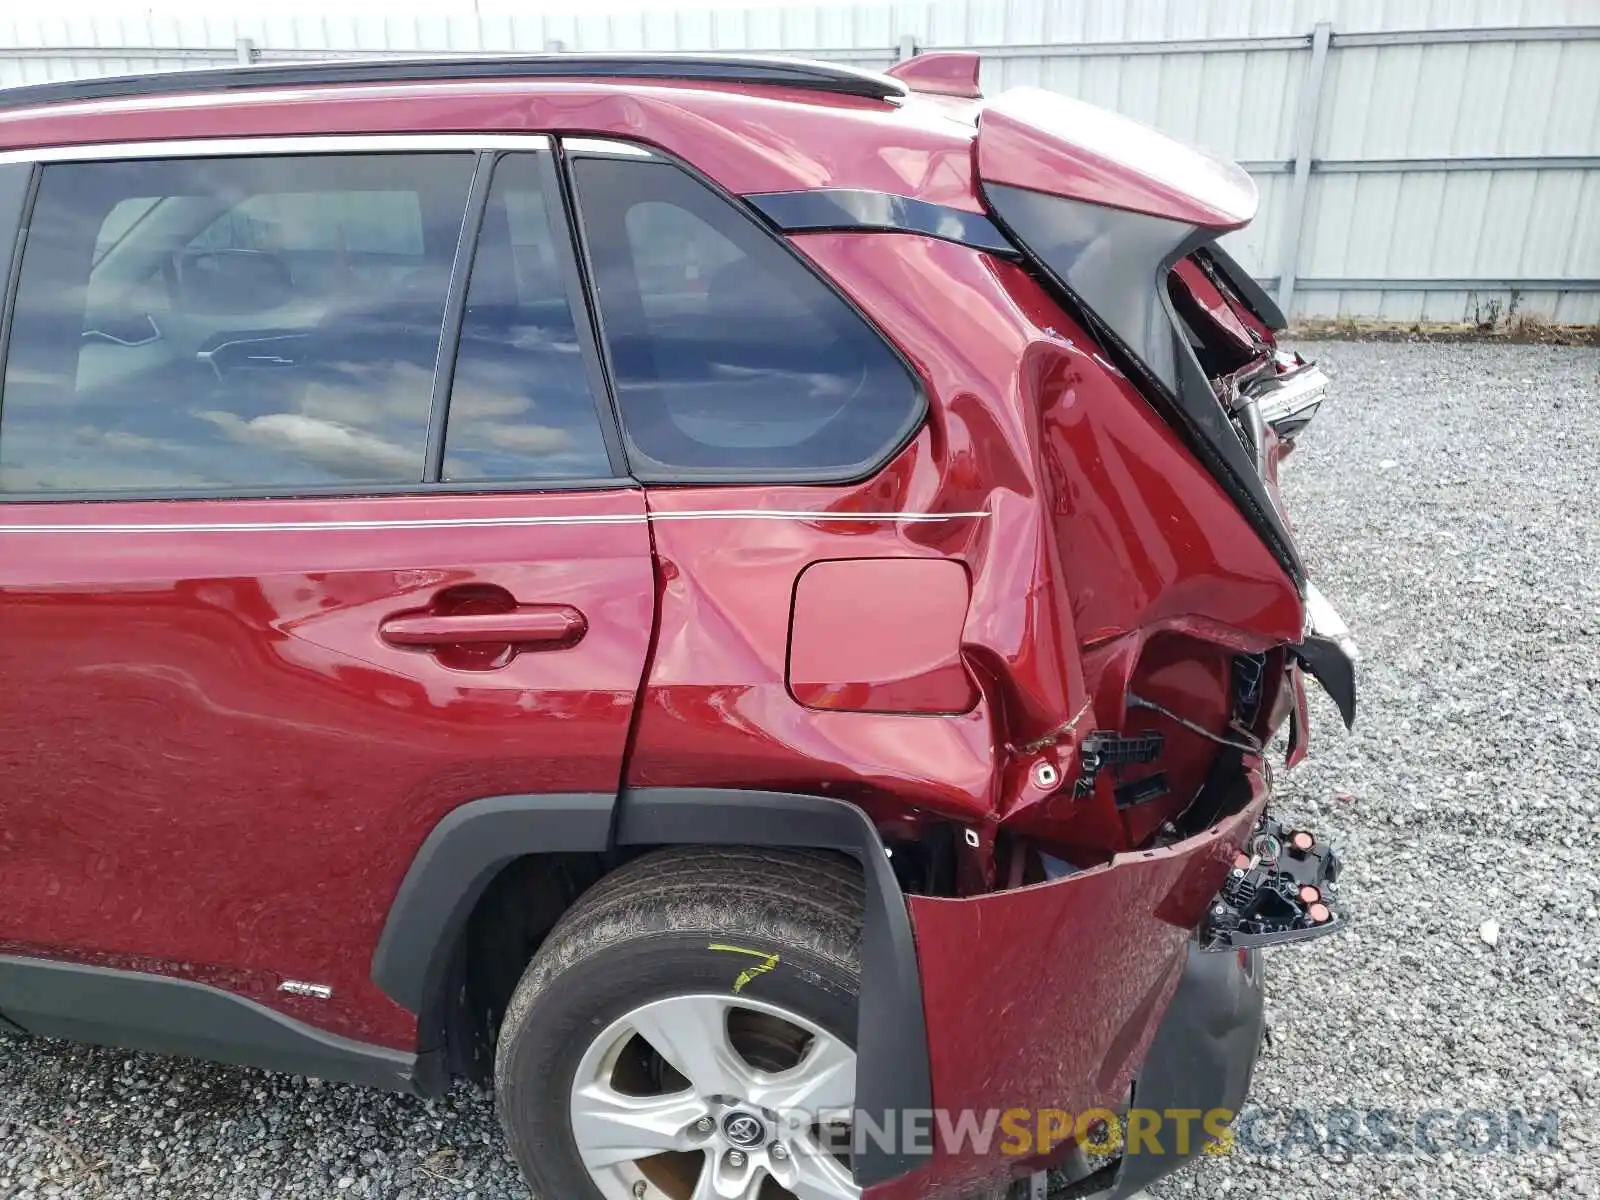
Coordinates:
[449,874]
[470,846]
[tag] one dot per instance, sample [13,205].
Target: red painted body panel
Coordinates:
[1223,316]
[880,635]
[749,139]
[216,768]
[1102,533]
[717,711]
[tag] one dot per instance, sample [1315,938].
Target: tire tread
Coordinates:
[788,899]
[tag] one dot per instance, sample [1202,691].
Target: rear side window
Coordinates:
[230,323]
[731,359]
[521,406]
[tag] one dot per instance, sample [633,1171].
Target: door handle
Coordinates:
[527,626]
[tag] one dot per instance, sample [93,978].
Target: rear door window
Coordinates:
[731,359]
[217,324]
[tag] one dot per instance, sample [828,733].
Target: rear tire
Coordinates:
[763,945]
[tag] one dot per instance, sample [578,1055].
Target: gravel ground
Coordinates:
[1445,498]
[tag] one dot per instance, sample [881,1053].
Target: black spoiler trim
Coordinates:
[1262,306]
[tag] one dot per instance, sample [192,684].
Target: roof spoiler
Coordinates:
[1050,143]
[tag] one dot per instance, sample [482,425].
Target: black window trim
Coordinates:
[561,210]
[484,146]
[19,237]
[858,210]
[455,309]
[576,147]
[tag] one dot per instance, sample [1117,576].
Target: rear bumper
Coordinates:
[1047,998]
[1200,1060]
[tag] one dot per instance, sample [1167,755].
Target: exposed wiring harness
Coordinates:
[1249,745]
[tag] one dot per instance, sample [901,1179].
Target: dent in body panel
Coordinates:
[717,710]
[261,734]
[1077,974]
[716,702]
[1099,526]
[1198,299]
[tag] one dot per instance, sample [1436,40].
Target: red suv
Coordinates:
[741,600]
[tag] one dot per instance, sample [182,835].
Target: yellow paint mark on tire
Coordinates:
[768,961]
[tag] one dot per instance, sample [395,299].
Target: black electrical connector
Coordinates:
[1283,888]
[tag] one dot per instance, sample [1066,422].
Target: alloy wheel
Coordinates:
[715,1097]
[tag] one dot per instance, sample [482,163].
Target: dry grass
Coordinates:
[1521,328]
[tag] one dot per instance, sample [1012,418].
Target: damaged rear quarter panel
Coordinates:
[1100,523]
[1093,523]
[717,709]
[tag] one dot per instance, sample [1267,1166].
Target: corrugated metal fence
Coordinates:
[1417,159]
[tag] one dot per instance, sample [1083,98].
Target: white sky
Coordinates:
[71,9]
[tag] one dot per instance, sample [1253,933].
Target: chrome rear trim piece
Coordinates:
[901,518]
[605,147]
[365,143]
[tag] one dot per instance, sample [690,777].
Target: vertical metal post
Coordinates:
[1305,140]
[244,50]
[906,49]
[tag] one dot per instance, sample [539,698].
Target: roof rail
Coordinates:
[700,68]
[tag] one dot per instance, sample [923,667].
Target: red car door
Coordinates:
[266,615]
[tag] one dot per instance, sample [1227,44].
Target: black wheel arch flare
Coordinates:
[471,845]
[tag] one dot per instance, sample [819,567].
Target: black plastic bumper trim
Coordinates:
[1202,1057]
[1326,661]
